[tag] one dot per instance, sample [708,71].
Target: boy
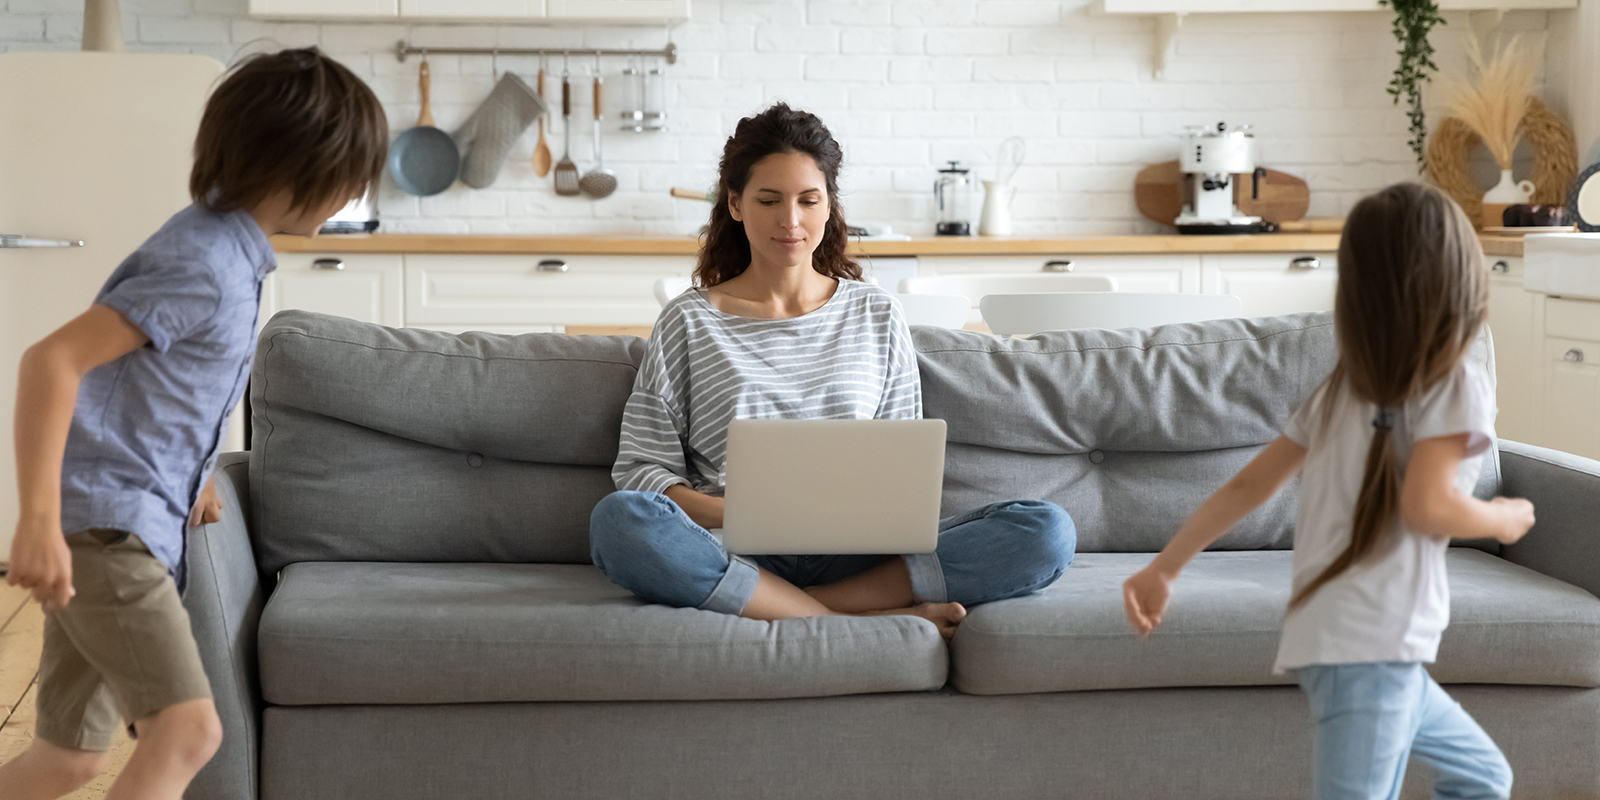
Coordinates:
[121,411]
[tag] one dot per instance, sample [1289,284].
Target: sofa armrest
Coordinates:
[1565,490]
[224,599]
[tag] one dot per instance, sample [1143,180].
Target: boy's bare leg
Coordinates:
[174,743]
[45,772]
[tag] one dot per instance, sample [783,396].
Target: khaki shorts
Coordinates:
[120,651]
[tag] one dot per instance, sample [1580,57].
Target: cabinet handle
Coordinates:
[1501,267]
[1574,355]
[1306,262]
[552,265]
[333,264]
[1058,266]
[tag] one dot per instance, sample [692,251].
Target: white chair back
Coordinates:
[1011,314]
[976,287]
[943,310]
[668,288]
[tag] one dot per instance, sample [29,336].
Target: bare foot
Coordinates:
[944,615]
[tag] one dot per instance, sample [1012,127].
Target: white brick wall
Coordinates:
[904,85]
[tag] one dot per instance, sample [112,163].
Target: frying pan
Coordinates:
[424,160]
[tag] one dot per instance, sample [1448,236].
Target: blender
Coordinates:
[952,193]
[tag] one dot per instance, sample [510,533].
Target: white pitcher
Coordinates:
[996,217]
[1507,191]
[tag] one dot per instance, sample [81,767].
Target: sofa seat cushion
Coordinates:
[1508,625]
[393,633]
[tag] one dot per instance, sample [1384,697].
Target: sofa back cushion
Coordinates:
[383,444]
[1130,430]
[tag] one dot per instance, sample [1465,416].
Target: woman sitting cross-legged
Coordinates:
[781,326]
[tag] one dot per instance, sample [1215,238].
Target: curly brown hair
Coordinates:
[725,250]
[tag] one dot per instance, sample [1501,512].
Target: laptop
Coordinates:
[813,487]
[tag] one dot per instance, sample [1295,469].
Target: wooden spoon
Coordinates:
[541,151]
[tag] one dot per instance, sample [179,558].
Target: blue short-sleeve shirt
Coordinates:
[147,426]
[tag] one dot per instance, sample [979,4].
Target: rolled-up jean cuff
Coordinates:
[927,578]
[734,590]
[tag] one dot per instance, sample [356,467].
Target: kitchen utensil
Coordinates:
[1008,158]
[632,114]
[1584,202]
[494,128]
[1274,196]
[1210,158]
[566,171]
[694,194]
[1312,225]
[655,99]
[541,151]
[952,193]
[102,27]
[598,182]
[424,160]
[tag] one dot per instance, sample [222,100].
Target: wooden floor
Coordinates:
[21,624]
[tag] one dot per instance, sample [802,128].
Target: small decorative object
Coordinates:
[1556,152]
[1494,107]
[1413,20]
[1523,215]
[1584,205]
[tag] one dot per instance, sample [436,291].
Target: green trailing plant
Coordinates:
[1413,21]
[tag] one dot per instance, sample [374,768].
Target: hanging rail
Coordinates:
[402,50]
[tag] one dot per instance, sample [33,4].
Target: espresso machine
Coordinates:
[1213,159]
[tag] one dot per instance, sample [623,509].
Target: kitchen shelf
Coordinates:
[1486,14]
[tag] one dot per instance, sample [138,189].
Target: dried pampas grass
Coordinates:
[1494,107]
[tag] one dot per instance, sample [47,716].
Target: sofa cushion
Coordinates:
[1508,625]
[385,444]
[375,633]
[1128,430]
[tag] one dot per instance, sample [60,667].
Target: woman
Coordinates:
[781,326]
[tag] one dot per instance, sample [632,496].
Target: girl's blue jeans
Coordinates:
[1371,718]
[646,544]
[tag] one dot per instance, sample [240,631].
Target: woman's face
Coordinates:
[784,208]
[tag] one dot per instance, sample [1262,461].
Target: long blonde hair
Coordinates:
[1412,297]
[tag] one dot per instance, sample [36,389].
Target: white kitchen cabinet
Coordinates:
[1516,322]
[1269,284]
[325,9]
[1256,6]
[476,292]
[1172,273]
[1571,365]
[620,10]
[363,287]
[472,9]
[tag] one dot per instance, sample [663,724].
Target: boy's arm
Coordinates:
[1145,595]
[1431,504]
[47,391]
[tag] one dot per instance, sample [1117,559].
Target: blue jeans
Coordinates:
[1370,718]
[646,544]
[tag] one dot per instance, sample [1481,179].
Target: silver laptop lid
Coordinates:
[808,487]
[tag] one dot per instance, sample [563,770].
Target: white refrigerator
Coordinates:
[94,147]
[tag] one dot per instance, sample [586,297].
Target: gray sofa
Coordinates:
[399,603]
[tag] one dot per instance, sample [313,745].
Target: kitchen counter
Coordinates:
[622,244]
[619,244]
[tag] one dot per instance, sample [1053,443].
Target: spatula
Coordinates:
[566,171]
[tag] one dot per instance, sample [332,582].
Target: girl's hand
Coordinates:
[1144,597]
[42,562]
[207,507]
[1518,518]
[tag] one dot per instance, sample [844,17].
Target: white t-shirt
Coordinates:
[1394,604]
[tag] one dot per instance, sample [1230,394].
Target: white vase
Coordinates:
[996,217]
[1509,192]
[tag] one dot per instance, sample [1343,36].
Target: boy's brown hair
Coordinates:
[294,120]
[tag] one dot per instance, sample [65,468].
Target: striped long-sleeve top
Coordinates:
[850,359]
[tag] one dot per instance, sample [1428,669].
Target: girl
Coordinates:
[1391,444]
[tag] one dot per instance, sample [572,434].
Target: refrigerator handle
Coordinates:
[15,241]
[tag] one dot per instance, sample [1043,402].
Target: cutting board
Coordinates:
[1158,192]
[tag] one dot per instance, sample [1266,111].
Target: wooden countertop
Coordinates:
[621,244]
[617,244]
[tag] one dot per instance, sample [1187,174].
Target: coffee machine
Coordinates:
[1212,159]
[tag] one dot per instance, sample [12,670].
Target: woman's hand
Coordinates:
[1145,596]
[705,510]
